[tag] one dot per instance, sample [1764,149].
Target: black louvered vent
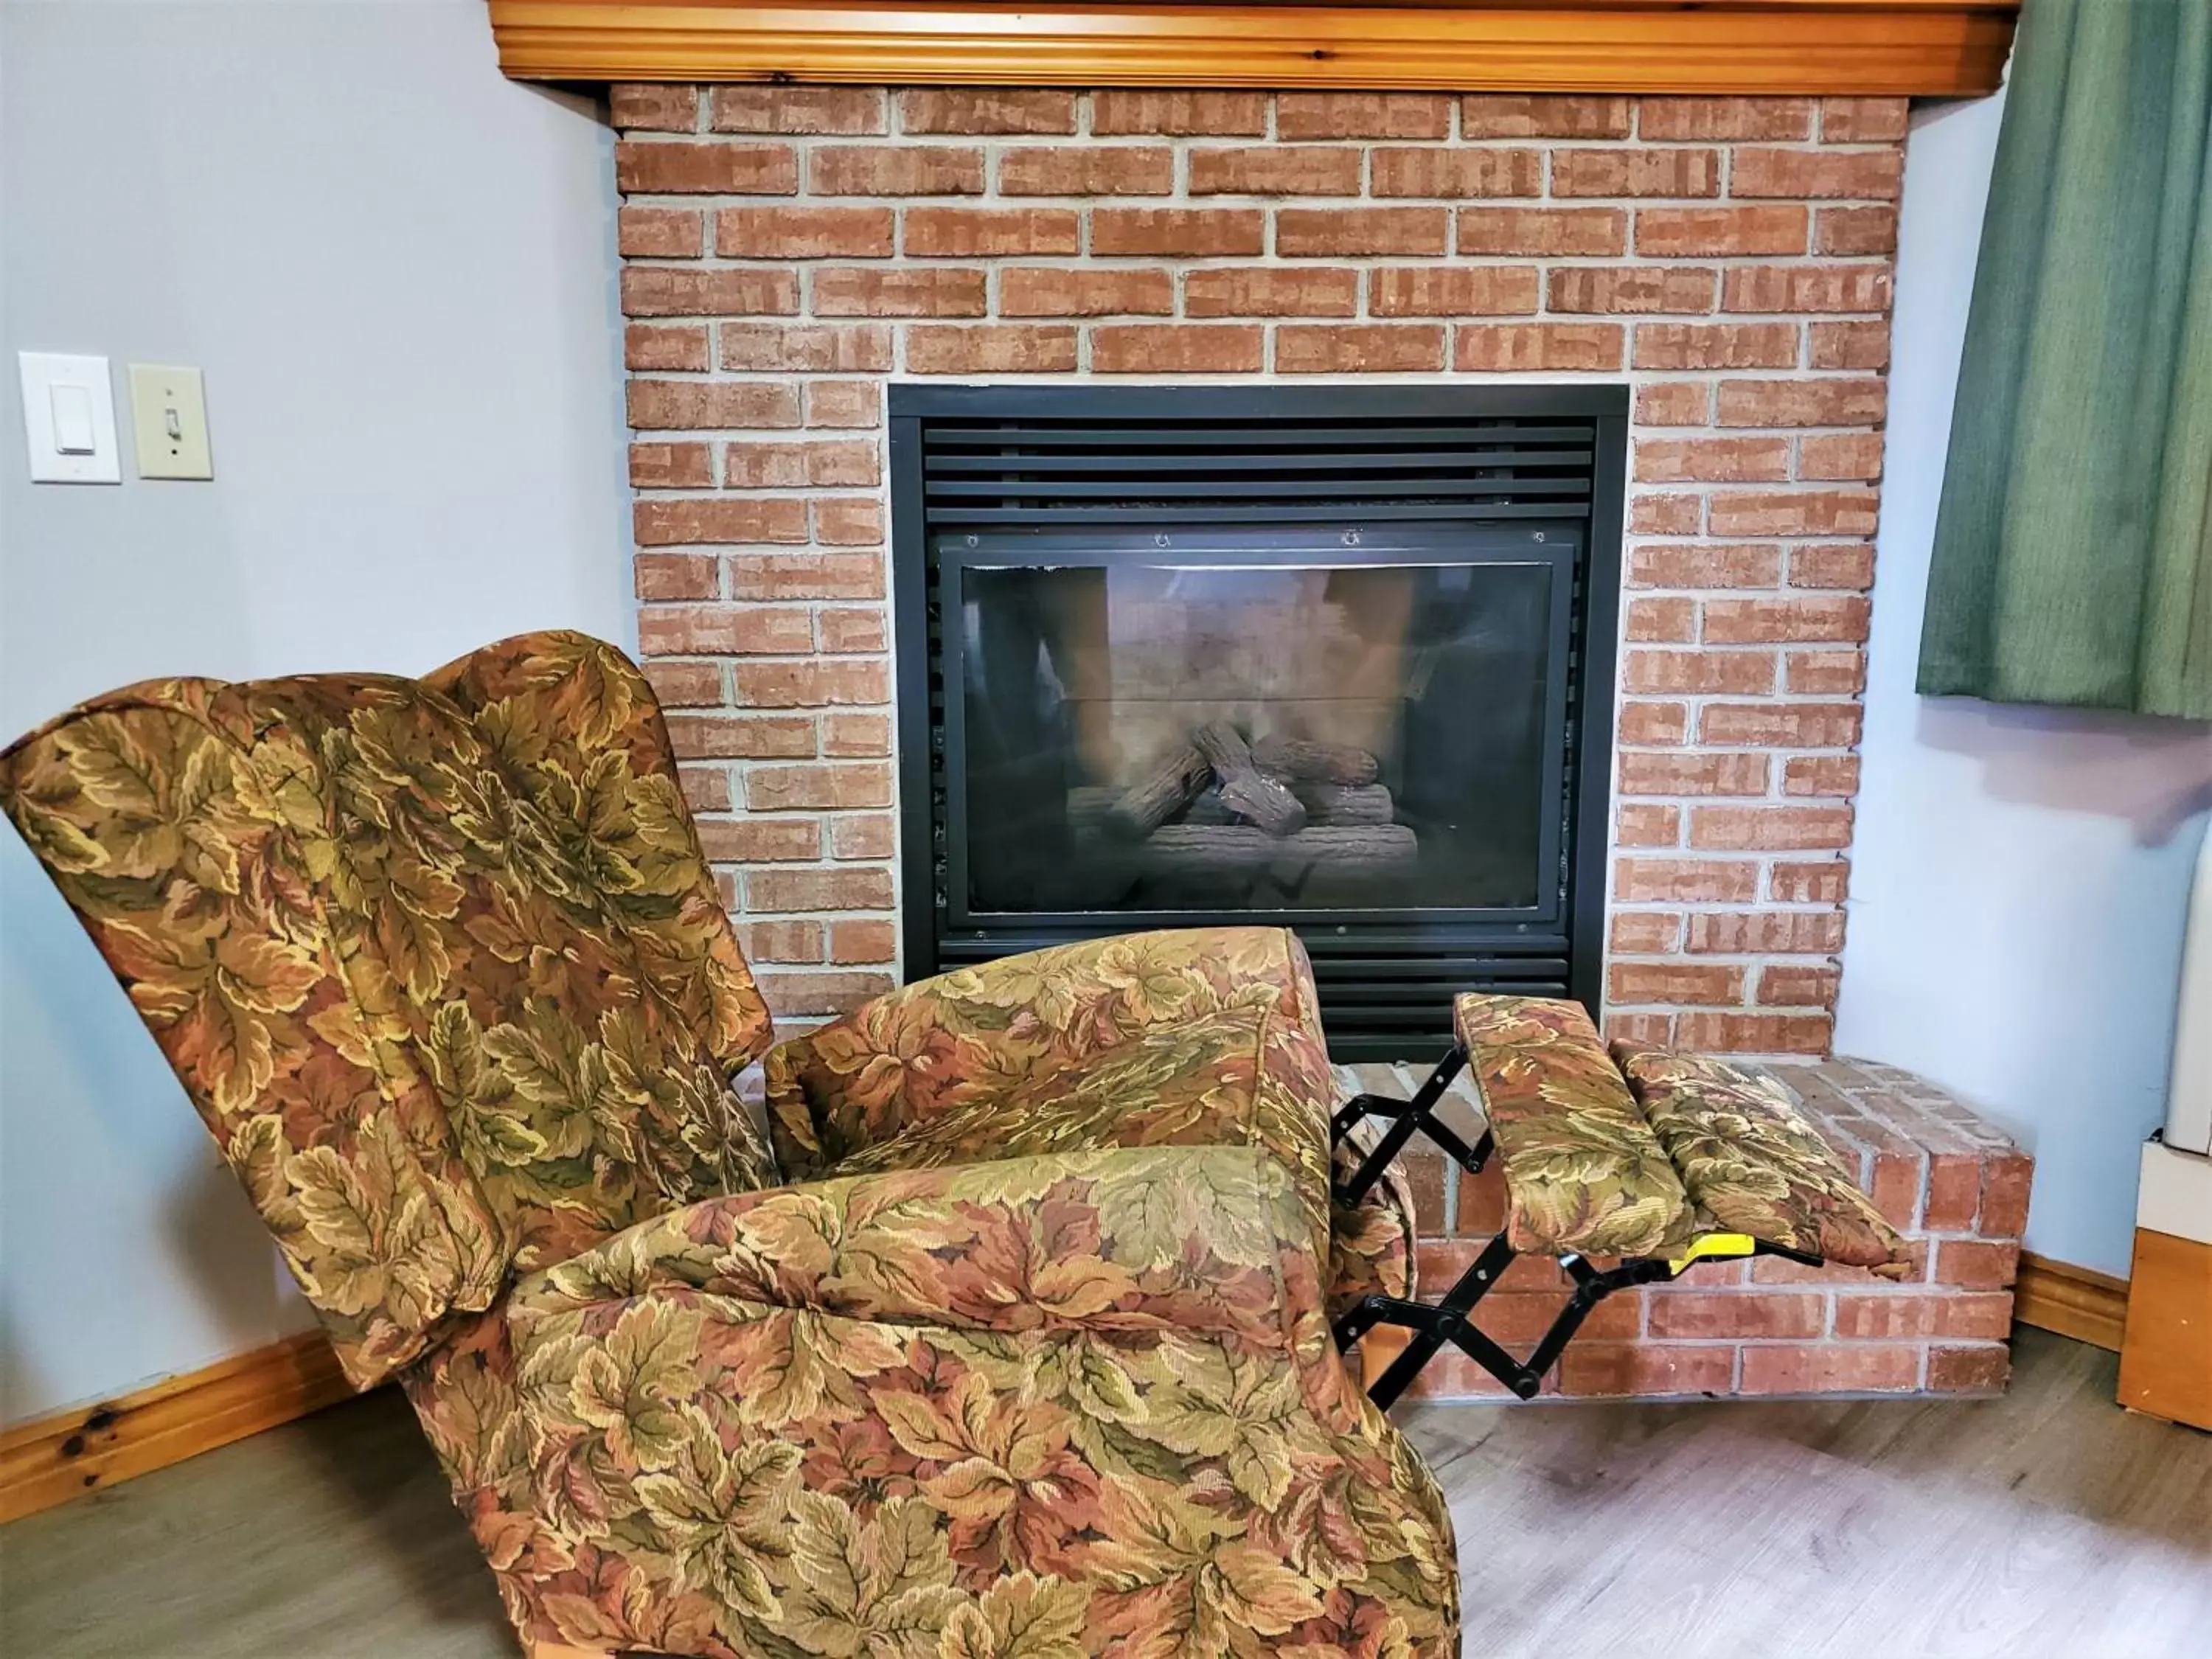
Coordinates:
[1067,471]
[1087,471]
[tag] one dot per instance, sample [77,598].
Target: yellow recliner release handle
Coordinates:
[1714,1246]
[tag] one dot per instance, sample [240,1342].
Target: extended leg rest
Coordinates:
[1650,1160]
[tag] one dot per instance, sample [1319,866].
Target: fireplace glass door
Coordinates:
[1278,724]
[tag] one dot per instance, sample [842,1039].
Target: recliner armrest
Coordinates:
[909,1054]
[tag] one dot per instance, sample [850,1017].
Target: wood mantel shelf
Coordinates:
[1842,47]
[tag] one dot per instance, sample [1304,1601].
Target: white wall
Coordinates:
[2019,875]
[396,268]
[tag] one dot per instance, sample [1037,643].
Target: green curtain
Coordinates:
[2073,558]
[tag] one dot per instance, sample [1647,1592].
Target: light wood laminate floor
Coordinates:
[2046,1523]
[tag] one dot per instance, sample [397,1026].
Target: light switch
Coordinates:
[168,422]
[74,432]
[69,418]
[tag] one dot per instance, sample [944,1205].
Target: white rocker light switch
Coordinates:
[68,419]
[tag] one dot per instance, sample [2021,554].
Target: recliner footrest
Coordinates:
[1583,1170]
[1654,1159]
[1750,1161]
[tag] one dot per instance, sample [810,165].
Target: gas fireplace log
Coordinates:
[1208,808]
[1161,793]
[1318,763]
[1338,803]
[1245,790]
[1245,847]
[1090,806]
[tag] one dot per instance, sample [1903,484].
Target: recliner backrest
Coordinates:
[439,962]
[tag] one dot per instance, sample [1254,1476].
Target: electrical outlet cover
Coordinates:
[168,422]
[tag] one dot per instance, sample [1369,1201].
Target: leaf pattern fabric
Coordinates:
[1041,1363]
[1750,1160]
[1638,1150]
[965,1039]
[1371,1243]
[1583,1171]
[1078,1403]
[1035,1363]
[581,736]
[438,961]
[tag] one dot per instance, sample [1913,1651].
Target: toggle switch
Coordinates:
[168,421]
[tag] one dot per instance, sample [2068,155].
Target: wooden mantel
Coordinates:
[1844,47]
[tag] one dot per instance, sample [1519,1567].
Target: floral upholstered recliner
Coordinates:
[1016,1346]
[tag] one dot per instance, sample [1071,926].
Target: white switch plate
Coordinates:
[168,422]
[68,419]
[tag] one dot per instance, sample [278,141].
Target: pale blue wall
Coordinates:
[2019,875]
[397,269]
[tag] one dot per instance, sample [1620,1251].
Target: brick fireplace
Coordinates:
[787,252]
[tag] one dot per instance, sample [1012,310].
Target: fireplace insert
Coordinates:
[1339,658]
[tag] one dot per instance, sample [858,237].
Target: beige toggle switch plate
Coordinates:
[168,420]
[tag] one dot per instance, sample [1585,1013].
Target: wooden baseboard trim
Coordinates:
[2165,1365]
[53,1459]
[2077,1301]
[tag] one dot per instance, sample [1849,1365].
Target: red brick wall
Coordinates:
[788,250]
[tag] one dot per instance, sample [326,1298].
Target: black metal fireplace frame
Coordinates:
[1488,954]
